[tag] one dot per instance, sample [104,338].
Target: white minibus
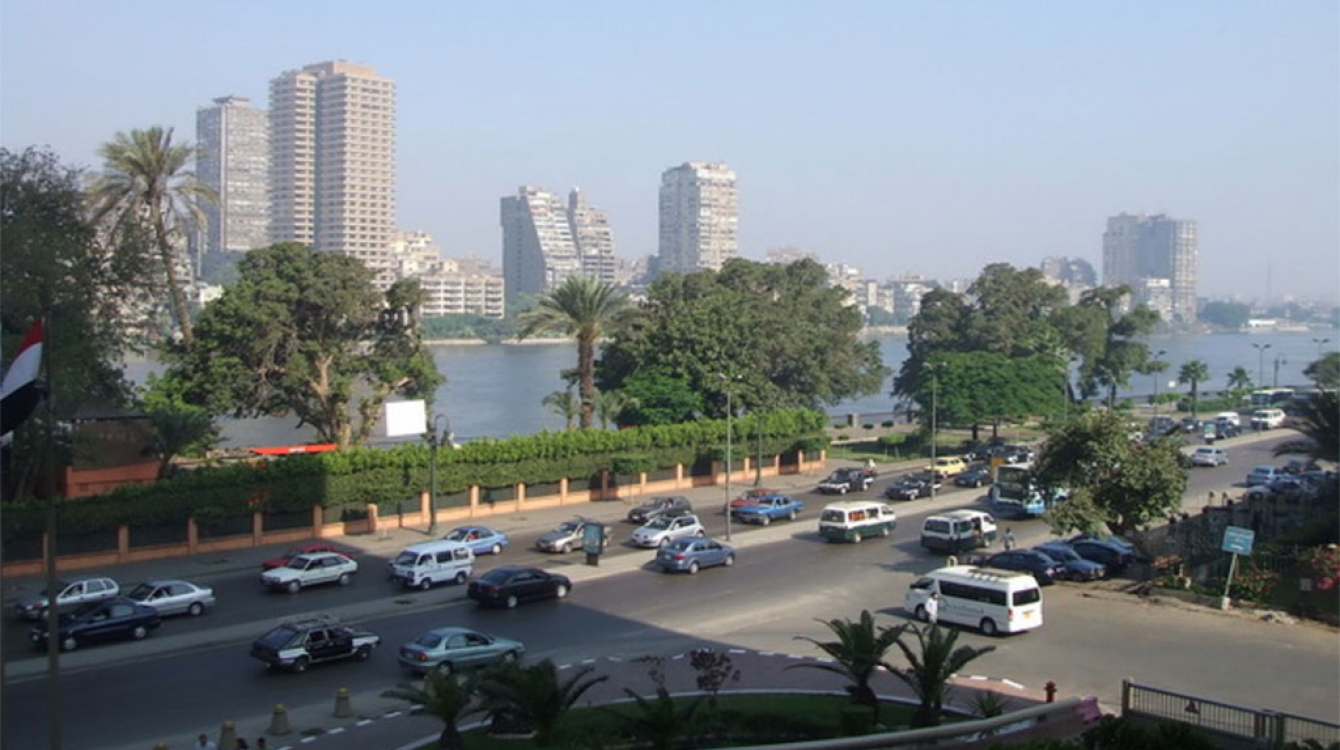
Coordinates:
[993,601]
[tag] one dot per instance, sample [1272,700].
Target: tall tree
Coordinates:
[145,177]
[973,389]
[929,667]
[563,404]
[305,333]
[1325,372]
[1194,373]
[859,650]
[1108,340]
[1319,424]
[657,398]
[534,695]
[442,697]
[1239,379]
[585,309]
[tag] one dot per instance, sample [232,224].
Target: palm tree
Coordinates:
[1194,372]
[1239,379]
[659,721]
[443,697]
[1319,423]
[534,695]
[929,668]
[584,308]
[145,177]
[564,405]
[180,428]
[858,651]
[609,405]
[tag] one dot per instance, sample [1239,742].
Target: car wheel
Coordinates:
[509,657]
[69,644]
[496,549]
[764,520]
[729,561]
[294,587]
[345,579]
[460,578]
[445,669]
[301,664]
[511,601]
[196,609]
[693,568]
[139,632]
[989,627]
[662,542]
[921,613]
[701,533]
[792,515]
[566,548]
[560,591]
[363,653]
[425,584]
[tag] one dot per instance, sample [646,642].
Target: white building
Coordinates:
[234,160]
[593,237]
[698,217]
[1138,247]
[538,248]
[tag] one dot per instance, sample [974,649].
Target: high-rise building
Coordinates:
[234,160]
[593,237]
[538,248]
[332,160]
[699,217]
[1139,248]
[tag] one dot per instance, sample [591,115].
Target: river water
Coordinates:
[494,390]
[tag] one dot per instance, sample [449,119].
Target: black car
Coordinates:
[301,643]
[509,586]
[1043,567]
[976,476]
[113,619]
[842,481]
[660,506]
[1114,556]
[910,487]
[1224,429]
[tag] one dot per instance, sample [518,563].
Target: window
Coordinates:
[456,641]
[1027,596]
[444,556]
[461,554]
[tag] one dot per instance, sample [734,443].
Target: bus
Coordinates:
[993,601]
[1266,397]
[1015,494]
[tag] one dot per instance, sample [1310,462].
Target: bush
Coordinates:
[886,423]
[868,426]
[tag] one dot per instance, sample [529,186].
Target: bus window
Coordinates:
[1027,596]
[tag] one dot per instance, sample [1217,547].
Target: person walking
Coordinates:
[932,606]
[1007,539]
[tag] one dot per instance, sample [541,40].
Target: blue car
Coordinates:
[1073,567]
[1107,552]
[691,553]
[480,539]
[1044,568]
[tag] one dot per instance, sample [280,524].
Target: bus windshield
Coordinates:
[1016,493]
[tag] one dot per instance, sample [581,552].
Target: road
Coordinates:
[775,592]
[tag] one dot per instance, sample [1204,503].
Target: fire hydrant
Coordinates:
[1050,687]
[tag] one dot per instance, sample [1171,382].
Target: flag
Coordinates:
[20,391]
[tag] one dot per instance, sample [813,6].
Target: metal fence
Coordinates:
[1260,727]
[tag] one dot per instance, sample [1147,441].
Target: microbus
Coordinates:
[993,601]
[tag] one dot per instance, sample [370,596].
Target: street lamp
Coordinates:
[1156,366]
[434,440]
[935,392]
[1279,360]
[727,382]
[1261,363]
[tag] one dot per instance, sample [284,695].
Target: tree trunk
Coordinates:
[179,308]
[586,366]
[450,739]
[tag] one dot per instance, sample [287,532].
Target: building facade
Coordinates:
[332,160]
[1138,249]
[539,251]
[234,160]
[698,217]
[593,237]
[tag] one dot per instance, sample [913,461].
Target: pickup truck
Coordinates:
[843,481]
[764,510]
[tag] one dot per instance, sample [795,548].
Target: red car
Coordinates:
[751,496]
[303,549]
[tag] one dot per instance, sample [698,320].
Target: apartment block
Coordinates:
[593,237]
[539,251]
[698,217]
[1138,249]
[234,160]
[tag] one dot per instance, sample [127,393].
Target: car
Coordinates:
[118,618]
[1190,425]
[691,554]
[1224,429]
[172,597]
[310,570]
[567,537]
[948,466]
[1109,554]
[1282,488]
[1073,567]
[976,475]
[911,487]
[299,644]
[659,506]
[1208,456]
[842,481]
[480,539]
[1121,542]
[449,650]
[72,594]
[1299,466]
[765,510]
[1043,567]
[1161,425]
[509,586]
[304,549]
[752,494]
[1262,475]
[662,530]
[1231,417]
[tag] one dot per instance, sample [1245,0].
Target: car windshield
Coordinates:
[457,535]
[279,637]
[833,516]
[570,527]
[298,562]
[142,591]
[405,558]
[429,640]
[938,526]
[659,523]
[496,576]
[1062,553]
[679,545]
[1027,596]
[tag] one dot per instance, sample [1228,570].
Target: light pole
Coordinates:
[1155,365]
[433,441]
[758,464]
[727,382]
[1279,360]
[1261,363]
[935,394]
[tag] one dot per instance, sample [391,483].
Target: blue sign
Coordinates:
[593,538]
[1238,540]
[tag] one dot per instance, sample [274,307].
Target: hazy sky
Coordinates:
[924,137]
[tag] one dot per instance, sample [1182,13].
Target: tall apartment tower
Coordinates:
[593,237]
[234,160]
[538,249]
[332,160]
[698,217]
[1140,250]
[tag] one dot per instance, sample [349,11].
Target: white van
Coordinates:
[958,530]
[993,601]
[1231,417]
[854,520]
[423,565]
[1267,419]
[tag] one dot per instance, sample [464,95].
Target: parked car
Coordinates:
[1110,555]
[448,650]
[1208,456]
[70,594]
[311,570]
[767,509]
[567,537]
[691,554]
[111,619]
[976,475]
[1224,429]
[1298,466]
[1044,568]
[911,487]
[174,597]
[509,586]
[662,530]
[1191,425]
[659,506]
[752,494]
[842,481]
[480,539]
[1262,475]
[297,645]
[1282,487]
[1161,425]
[1073,567]
[308,548]
[947,466]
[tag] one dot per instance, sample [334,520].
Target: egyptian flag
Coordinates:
[20,391]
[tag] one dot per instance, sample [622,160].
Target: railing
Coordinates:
[1263,728]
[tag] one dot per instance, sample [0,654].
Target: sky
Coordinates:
[901,137]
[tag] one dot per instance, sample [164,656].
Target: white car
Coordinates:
[70,595]
[661,530]
[1207,456]
[309,570]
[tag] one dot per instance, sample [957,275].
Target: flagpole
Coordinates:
[53,612]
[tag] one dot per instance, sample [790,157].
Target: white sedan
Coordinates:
[662,529]
[309,570]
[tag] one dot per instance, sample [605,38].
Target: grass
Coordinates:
[747,719]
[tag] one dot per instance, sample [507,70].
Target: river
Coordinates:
[494,390]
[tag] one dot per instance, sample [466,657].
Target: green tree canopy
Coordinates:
[1319,425]
[304,333]
[656,398]
[1325,371]
[1232,315]
[1194,373]
[973,389]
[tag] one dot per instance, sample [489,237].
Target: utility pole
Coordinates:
[53,611]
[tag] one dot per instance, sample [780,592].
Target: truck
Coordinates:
[766,509]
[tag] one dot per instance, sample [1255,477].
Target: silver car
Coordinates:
[174,597]
[450,649]
[691,554]
[664,529]
[69,594]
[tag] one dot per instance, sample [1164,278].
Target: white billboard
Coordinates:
[405,418]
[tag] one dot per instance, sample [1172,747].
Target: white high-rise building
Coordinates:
[593,237]
[1139,248]
[538,248]
[234,160]
[699,217]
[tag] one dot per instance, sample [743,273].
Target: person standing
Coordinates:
[932,606]
[204,743]
[1007,539]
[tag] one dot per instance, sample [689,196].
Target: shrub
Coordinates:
[868,426]
[886,423]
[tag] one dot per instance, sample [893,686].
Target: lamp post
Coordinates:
[1279,360]
[727,382]
[1261,363]
[935,394]
[1155,365]
[434,440]
[758,464]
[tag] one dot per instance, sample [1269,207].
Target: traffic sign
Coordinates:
[1238,540]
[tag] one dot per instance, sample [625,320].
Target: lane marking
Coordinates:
[336,730]
[1013,684]
[364,723]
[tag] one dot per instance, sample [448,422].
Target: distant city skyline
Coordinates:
[898,137]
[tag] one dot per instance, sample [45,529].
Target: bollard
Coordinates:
[279,722]
[1050,687]
[342,708]
[228,736]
